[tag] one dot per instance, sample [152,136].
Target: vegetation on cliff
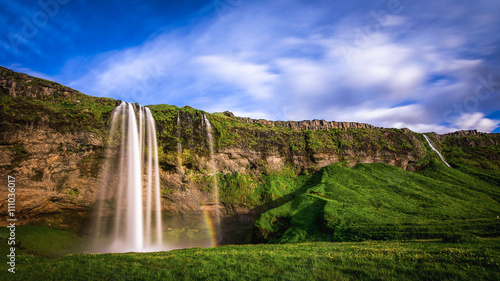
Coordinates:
[233,132]
[53,141]
[475,154]
[35,102]
[298,151]
[348,144]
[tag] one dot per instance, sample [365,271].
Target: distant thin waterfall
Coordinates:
[433,148]
[179,145]
[128,209]
[213,171]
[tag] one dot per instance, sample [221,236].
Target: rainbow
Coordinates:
[212,228]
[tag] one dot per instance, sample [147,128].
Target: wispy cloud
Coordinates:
[287,60]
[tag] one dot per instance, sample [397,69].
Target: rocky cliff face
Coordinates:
[259,146]
[53,140]
[312,125]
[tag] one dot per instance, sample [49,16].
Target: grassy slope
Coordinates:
[378,201]
[475,155]
[410,260]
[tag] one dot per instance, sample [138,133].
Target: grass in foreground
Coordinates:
[369,260]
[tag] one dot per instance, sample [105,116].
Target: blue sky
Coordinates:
[425,65]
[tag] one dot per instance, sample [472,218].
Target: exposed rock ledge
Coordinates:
[312,125]
[463,133]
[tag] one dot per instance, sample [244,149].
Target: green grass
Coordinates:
[379,201]
[478,151]
[41,241]
[258,190]
[370,260]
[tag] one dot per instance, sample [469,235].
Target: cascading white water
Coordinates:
[433,148]
[133,233]
[215,188]
[130,185]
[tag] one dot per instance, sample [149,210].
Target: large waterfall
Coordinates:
[128,208]
[433,148]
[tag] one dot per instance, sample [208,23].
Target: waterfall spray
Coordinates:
[128,209]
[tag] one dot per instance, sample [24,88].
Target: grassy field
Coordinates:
[369,260]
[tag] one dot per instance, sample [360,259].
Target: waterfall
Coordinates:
[128,207]
[179,145]
[433,148]
[213,171]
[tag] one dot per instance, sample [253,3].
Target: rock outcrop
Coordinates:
[312,125]
[463,133]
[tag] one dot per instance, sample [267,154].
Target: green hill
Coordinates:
[379,201]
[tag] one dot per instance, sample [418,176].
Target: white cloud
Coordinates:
[477,121]
[135,74]
[410,116]
[388,65]
[289,69]
[306,78]
[254,79]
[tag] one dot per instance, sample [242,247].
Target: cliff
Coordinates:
[53,139]
[312,125]
[244,144]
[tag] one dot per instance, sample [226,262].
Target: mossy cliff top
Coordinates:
[29,101]
[303,144]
